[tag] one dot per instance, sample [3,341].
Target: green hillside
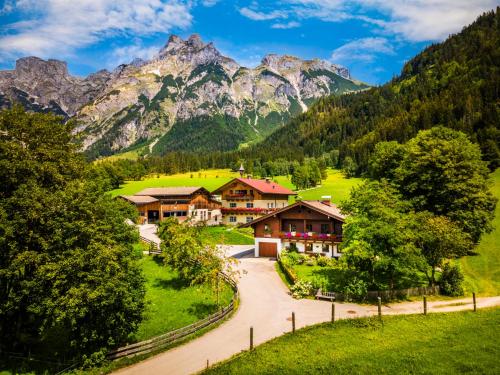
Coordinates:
[454,83]
[482,271]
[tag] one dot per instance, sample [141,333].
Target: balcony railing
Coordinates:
[246,210]
[311,236]
[237,196]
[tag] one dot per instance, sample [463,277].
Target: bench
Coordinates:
[325,295]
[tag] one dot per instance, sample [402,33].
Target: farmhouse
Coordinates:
[245,199]
[193,202]
[311,227]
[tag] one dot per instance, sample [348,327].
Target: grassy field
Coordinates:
[482,272]
[209,179]
[452,343]
[335,185]
[227,235]
[171,303]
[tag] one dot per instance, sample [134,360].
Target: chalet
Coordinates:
[195,203]
[245,199]
[311,227]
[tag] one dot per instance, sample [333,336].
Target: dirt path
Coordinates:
[266,306]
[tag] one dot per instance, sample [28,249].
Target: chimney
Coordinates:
[268,180]
[326,199]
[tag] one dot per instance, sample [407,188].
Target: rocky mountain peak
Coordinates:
[34,66]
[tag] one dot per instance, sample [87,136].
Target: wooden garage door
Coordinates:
[268,249]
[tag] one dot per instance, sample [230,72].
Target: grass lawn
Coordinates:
[452,343]
[227,235]
[171,303]
[209,179]
[335,185]
[482,272]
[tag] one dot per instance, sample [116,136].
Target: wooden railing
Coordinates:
[311,237]
[177,335]
[156,245]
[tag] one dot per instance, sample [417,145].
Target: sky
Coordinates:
[372,38]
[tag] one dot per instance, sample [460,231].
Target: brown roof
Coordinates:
[262,186]
[326,209]
[139,199]
[177,190]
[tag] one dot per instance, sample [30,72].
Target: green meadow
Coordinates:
[482,271]
[451,343]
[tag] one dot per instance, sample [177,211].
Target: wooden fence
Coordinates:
[385,295]
[177,335]
[157,249]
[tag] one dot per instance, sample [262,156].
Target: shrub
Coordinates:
[310,261]
[451,280]
[294,257]
[323,261]
[355,289]
[301,289]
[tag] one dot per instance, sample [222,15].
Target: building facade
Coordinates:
[246,199]
[183,203]
[311,227]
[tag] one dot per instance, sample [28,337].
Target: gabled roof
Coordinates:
[262,186]
[330,210]
[174,191]
[139,199]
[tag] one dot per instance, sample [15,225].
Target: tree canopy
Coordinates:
[69,281]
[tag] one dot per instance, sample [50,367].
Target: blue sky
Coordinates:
[373,38]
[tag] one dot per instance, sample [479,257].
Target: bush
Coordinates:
[294,258]
[323,261]
[355,289]
[451,280]
[310,261]
[301,289]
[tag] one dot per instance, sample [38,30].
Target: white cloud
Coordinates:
[58,26]
[414,20]
[262,16]
[124,55]
[209,3]
[365,50]
[286,25]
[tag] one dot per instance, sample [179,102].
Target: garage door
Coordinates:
[268,249]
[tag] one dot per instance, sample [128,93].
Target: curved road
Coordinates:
[267,306]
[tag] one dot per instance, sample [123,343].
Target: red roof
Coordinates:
[262,186]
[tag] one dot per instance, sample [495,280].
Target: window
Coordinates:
[325,228]
[232,204]
[249,205]
[142,213]
[249,219]
[270,205]
[232,219]
[309,247]
[309,227]
[266,228]
[293,227]
[325,248]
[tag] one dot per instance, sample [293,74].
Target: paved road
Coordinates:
[267,306]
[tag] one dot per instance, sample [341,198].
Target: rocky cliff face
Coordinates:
[47,86]
[188,97]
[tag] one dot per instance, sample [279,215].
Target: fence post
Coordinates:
[251,338]
[474,300]
[293,322]
[333,310]
[379,300]
[425,305]
[207,364]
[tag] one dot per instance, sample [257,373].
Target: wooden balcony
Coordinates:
[308,236]
[233,197]
[245,210]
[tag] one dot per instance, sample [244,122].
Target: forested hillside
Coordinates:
[455,83]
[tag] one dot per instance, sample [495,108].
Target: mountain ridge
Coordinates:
[187,87]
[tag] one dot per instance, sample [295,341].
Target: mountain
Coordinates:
[43,86]
[455,83]
[191,97]
[188,97]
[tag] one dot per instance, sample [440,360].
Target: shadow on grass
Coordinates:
[202,309]
[176,283]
